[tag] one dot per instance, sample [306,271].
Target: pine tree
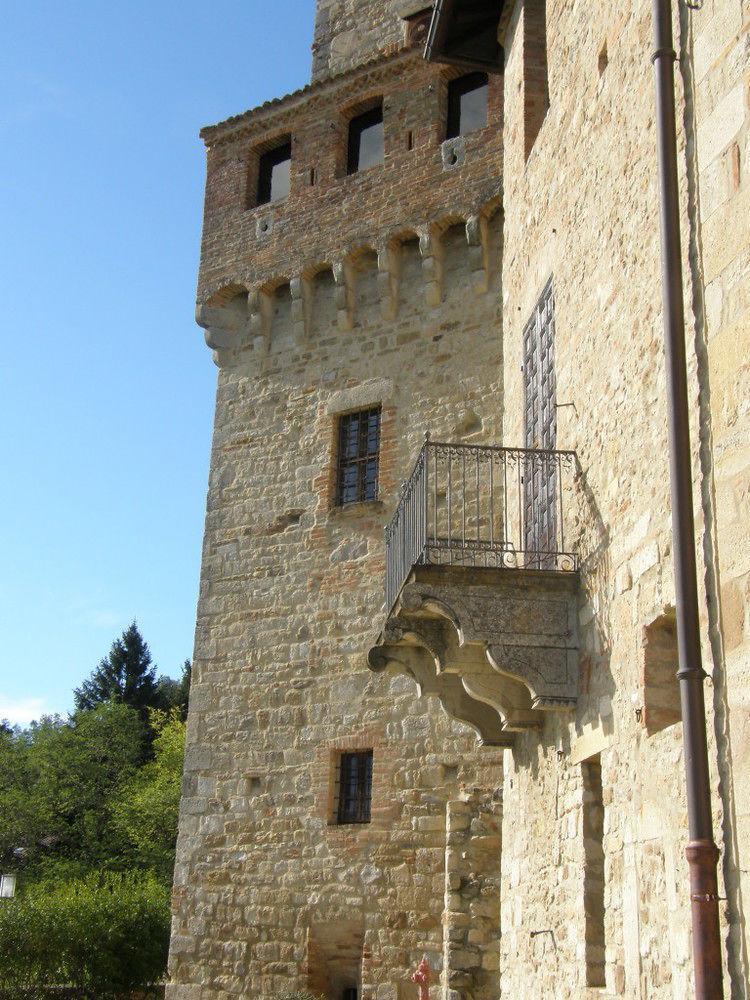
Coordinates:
[126,676]
[174,694]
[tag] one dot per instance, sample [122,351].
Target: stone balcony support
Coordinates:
[498,647]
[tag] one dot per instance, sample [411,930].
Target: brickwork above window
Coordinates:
[321,221]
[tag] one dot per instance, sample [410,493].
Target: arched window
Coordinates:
[467,104]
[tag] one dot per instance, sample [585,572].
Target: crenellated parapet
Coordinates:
[247,322]
[334,229]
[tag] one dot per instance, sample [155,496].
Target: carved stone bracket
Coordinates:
[432,268]
[506,638]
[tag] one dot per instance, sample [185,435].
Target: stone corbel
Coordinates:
[550,674]
[417,663]
[344,294]
[258,338]
[432,269]
[529,640]
[226,327]
[388,282]
[299,289]
[477,240]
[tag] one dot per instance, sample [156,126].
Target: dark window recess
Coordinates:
[355,787]
[273,174]
[365,140]
[359,441]
[467,104]
[350,993]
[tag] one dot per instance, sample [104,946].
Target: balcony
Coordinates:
[481,586]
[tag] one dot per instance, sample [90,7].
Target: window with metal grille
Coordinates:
[274,173]
[467,104]
[365,140]
[359,442]
[350,993]
[540,432]
[355,787]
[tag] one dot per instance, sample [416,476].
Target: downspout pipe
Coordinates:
[701,852]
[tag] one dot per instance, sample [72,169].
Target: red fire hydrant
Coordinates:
[422,978]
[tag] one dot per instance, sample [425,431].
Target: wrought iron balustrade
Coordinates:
[480,506]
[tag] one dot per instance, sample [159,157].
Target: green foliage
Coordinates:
[173,694]
[57,780]
[104,935]
[126,676]
[88,821]
[144,812]
[19,826]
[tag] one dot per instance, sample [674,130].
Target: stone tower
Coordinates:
[434,707]
[349,286]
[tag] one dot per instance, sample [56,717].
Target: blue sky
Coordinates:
[106,386]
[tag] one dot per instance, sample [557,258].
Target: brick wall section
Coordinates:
[321,223]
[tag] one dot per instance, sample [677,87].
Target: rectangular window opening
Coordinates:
[467,104]
[593,882]
[355,787]
[366,139]
[274,172]
[358,451]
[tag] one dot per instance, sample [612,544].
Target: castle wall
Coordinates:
[405,286]
[717,120]
[581,203]
[369,292]
[351,32]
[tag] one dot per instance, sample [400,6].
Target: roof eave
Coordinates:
[465,35]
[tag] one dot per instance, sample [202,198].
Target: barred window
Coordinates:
[355,787]
[359,442]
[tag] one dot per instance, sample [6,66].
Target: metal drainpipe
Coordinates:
[701,852]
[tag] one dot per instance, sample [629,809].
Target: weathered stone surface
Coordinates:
[390,286]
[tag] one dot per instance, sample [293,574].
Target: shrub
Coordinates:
[102,935]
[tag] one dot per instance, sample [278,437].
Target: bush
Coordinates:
[103,935]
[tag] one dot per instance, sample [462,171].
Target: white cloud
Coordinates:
[22,711]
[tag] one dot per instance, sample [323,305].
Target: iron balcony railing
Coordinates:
[480,506]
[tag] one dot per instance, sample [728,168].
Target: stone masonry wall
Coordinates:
[715,60]
[269,891]
[581,206]
[351,32]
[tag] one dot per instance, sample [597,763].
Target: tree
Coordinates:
[144,813]
[19,819]
[175,694]
[73,769]
[126,676]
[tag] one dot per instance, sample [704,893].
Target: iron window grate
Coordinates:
[355,787]
[359,444]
